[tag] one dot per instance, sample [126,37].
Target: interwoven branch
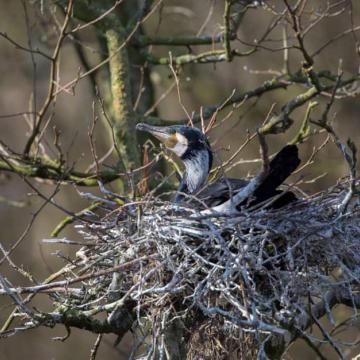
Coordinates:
[252,277]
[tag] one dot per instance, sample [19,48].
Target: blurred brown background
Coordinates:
[201,85]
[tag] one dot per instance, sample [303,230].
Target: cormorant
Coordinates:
[193,148]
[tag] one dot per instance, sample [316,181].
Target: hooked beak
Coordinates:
[162,133]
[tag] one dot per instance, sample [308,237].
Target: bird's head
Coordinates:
[184,141]
[191,146]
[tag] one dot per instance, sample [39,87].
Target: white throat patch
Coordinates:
[197,171]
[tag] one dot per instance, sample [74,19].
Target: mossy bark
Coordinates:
[124,119]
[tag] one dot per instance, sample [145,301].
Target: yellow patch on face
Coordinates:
[171,141]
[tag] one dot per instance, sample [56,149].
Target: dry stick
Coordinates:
[54,290]
[57,145]
[309,62]
[271,27]
[300,7]
[53,73]
[28,227]
[23,113]
[325,14]
[335,38]
[356,39]
[162,97]
[178,90]
[39,146]
[69,242]
[109,122]
[62,283]
[30,297]
[264,154]
[142,88]
[33,61]
[248,139]
[53,172]
[221,106]
[207,19]
[202,120]
[14,266]
[309,341]
[95,348]
[99,18]
[20,47]
[304,130]
[225,118]
[147,302]
[91,139]
[286,65]
[71,218]
[229,207]
[350,159]
[115,305]
[17,300]
[212,56]
[241,116]
[228,163]
[73,82]
[50,199]
[143,183]
[278,82]
[102,158]
[269,85]
[327,336]
[315,151]
[226,17]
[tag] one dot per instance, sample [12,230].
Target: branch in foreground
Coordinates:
[55,172]
[247,278]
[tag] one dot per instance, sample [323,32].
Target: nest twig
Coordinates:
[219,280]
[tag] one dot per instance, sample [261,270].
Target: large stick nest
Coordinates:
[220,277]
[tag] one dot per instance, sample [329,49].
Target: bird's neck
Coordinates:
[197,168]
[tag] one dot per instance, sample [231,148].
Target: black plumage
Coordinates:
[280,168]
[193,148]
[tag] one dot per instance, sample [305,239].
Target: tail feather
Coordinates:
[280,168]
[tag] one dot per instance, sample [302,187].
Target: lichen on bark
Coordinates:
[124,119]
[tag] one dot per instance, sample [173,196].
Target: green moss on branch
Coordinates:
[124,118]
[41,170]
